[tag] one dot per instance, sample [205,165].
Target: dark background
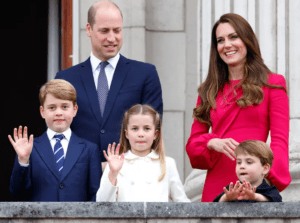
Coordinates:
[24,33]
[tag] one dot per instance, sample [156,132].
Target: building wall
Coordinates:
[174,35]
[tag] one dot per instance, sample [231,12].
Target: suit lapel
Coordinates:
[118,79]
[89,84]
[75,148]
[43,148]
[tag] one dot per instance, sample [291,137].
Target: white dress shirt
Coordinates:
[109,69]
[64,142]
[137,181]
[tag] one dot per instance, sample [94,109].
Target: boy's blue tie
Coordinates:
[59,152]
[102,89]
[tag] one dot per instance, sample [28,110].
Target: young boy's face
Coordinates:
[58,113]
[249,168]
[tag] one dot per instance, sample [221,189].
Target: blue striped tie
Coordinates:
[102,89]
[59,152]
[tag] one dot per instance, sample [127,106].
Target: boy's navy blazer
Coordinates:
[133,83]
[41,181]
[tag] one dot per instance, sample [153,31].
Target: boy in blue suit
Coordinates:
[57,166]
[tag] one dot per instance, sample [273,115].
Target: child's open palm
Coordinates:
[115,161]
[21,144]
[248,192]
[234,191]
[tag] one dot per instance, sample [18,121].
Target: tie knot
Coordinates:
[103,64]
[59,136]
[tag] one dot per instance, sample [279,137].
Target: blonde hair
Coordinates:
[256,148]
[60,89]
[157,144]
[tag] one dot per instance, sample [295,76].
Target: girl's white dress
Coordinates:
[137,181]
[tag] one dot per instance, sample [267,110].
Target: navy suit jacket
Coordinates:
[41,181]
[133,83]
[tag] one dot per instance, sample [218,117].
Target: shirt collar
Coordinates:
[95,61]
[130,155]
[66,133]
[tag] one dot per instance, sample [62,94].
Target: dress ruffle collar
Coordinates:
[130,156]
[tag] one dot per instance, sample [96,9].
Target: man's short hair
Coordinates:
[92,13]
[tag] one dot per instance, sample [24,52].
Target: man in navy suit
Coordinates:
[46,170]
[130,82]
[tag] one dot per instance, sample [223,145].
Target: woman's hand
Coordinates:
[21,144]
[226,146]
[115,162]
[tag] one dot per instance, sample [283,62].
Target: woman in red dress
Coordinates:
[240,99]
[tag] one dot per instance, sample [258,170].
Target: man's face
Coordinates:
[106,34]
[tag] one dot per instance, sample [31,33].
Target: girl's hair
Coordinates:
[256,72]
[157,144]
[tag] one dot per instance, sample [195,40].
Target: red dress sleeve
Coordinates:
[200,156]
[279,174]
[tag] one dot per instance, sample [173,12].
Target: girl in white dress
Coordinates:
[142,173]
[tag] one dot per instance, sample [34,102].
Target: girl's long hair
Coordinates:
[157,144]
[255,71]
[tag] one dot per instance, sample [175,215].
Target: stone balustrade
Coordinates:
[45,212]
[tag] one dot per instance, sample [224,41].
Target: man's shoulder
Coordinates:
[74,68]
[134,62]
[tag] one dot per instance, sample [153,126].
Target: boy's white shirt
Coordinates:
[137,181]
[64,142]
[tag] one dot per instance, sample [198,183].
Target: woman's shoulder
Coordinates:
[276,79]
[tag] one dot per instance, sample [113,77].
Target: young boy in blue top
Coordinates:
[253,162]
[57,166]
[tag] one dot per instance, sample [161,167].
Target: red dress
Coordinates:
[253,122]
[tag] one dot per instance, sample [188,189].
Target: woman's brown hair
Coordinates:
[157,144]
[256,72]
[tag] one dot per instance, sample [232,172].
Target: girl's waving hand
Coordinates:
[115,162]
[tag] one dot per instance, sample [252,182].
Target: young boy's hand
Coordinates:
[248,193]
[21,144]
[233,193]
[114,161]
